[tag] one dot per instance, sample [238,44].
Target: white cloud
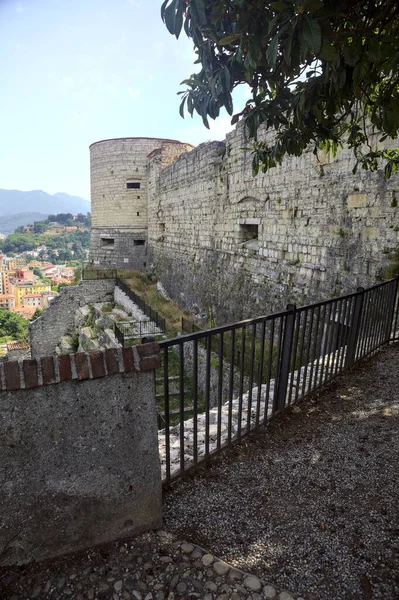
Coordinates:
[134,94]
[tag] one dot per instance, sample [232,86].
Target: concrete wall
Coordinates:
[79,461]
[59,318]
[320,230]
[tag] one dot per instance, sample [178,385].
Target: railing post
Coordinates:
[354,328]
[284,367]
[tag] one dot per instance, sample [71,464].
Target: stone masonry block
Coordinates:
[357,200]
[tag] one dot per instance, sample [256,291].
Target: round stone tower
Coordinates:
[119,187]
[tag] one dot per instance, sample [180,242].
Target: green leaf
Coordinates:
[394,102]
[170,17]
[229,39]
[328,52]
[181,107]
[279,6]
[272,51]
[312,34]
[198,9]
[313,5]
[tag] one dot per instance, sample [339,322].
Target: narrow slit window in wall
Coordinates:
[109,242]
[139,242]
[133,185]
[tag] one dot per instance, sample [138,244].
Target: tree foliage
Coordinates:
[13,325]
[321,72]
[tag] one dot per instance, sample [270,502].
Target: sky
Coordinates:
[78,71]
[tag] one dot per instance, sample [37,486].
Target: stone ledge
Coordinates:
[47,370]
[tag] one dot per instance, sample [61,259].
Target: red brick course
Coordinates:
[97,364]
[48,372]
[30,373]
[144,357]
[111,360]
[82,365]
[11,371]
[64,362]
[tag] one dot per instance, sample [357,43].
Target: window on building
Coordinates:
[161,227]
[109,242]
[133,185]
[139,242]
[248,232]
[138,214]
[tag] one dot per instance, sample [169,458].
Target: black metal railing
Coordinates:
[146,308]
[208,400]
[127,332]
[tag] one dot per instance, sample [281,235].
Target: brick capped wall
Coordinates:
[79,461]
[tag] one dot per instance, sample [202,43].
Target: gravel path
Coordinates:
[310,503]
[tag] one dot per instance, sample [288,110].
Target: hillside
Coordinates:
[13,202]
[8,223]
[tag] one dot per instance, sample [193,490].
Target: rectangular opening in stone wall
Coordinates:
[139,242]
[161,227]
[248,231]
[133,185]
[107,242]
[138,214]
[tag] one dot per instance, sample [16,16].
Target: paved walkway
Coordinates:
[309,504]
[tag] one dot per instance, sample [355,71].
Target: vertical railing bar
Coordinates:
[313,349]
[349,307]
[309,341]
[380,317]
[241,388]
[329,343]
[300,376]
[231,385]
[195,401]
[394,313]
[251,376]
[371,308]
[382,314]
[362,330]
[269,371]
[396,317]
[336,336]
[277,374]
[181,404]
[294,355]
[220,391]
[280,396]
[166,407]
[322,316]
[366,325]
[207,393]
[260,372]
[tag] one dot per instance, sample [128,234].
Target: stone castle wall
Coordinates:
[59,318]
[118,169]
[240,246]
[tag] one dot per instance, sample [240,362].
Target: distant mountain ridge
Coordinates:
[15,201]
[15,204]
[9,223]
